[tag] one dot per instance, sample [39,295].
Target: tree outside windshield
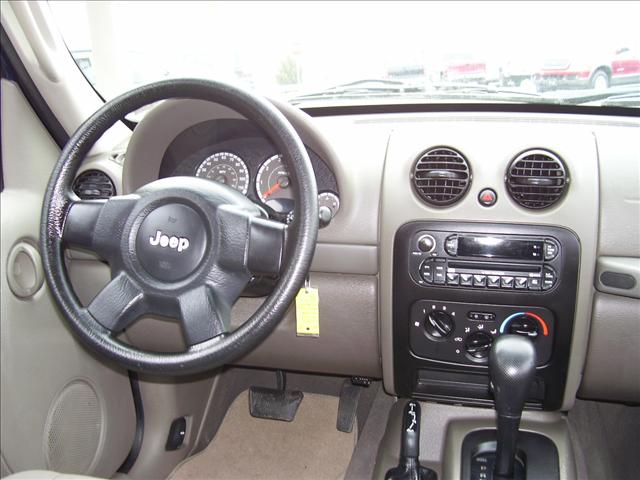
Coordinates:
[353,52]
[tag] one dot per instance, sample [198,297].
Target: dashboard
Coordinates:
[434,211]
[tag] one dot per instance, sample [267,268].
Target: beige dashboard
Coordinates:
[372,157]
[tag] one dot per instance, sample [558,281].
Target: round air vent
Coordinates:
[441,176]
[93,185]
[536,179]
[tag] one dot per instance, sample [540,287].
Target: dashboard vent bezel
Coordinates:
[102,183]
[541,193]
[444,179]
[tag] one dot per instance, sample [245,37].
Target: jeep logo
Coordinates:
[179,243]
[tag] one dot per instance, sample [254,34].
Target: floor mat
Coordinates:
[609,437]
[308,448]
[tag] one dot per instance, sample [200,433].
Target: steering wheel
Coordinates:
[182,247]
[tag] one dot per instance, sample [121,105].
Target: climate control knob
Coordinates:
[524,326]
[439,325]
[478,345]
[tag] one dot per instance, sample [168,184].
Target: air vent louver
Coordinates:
[536,179]
[93,185]
[441,176]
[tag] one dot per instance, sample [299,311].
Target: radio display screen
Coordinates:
[499,247]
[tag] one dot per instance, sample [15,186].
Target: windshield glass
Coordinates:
[354,53]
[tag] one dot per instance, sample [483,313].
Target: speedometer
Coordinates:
[273,185]
[226,168]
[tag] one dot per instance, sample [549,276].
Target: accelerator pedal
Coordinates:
[348,405]
[275,403]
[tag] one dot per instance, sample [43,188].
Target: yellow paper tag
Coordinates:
[307,313]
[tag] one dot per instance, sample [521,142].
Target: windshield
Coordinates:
[355,53]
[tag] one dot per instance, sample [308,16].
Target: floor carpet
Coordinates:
[608,436]
[308,448]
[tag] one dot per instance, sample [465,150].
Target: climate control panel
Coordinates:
[463,333]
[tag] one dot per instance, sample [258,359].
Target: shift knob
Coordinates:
[512,366]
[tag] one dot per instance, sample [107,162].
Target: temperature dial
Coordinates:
[524,326]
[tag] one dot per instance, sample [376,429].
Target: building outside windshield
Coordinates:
[352,53]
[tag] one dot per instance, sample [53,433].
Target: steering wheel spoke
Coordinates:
[202,317]
[97,225]
[120,303]
[266,246]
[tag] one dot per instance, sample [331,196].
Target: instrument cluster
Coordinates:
[253,167]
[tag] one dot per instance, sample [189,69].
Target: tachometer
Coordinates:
[273,185]
[226,168]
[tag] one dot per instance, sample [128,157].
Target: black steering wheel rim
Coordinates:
[302,233]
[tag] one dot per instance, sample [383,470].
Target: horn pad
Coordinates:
[171,242]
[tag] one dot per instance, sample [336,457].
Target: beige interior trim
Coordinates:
[480,138]
[39,356]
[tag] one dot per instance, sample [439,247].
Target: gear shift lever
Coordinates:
[512,366]
[409,467]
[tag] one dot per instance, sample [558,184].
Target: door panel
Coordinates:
[61,407]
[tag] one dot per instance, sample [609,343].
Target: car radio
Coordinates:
[468,260]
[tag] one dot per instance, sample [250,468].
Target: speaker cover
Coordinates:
[73,429]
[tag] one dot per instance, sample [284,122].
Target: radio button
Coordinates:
[549,278]
[550,250]
[479,280]
[534,283]
[521,283]
[451,245]
[493,281]
[439,272]
[426,243]
[506,282]
[426,271]
[466,279]
[453,278]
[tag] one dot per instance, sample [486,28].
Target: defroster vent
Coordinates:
[536,179]
[441,176]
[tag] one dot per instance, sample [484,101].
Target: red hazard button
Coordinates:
[487,197]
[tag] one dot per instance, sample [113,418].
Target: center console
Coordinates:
[459,286]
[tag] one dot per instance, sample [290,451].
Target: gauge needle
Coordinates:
[272,190]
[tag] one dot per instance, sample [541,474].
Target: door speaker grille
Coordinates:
[73,429]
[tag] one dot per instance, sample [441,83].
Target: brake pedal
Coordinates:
[275,403]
